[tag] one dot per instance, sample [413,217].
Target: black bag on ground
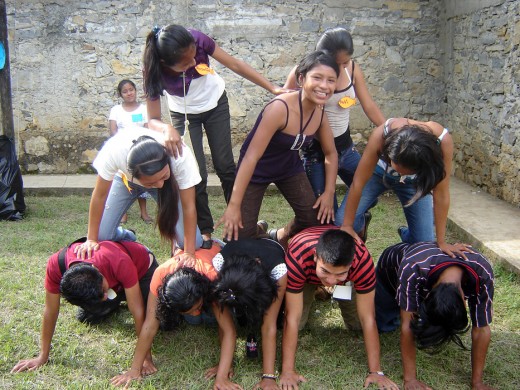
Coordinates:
[12,204]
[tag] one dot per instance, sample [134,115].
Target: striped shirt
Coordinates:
[411,270]
[301,267]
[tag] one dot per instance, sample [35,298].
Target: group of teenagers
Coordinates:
[300,142]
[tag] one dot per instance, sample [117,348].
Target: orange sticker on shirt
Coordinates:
[346,102]
[204,69]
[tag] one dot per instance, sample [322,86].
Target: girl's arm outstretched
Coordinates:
[228,337]
[142,363]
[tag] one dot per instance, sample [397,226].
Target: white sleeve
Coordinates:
[106,162]
[218,262]
[279,271]
[113,114]
[185,169]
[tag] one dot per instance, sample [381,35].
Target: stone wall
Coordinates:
[67,57]
[482,79]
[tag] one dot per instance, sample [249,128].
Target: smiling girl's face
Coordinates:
[319,83]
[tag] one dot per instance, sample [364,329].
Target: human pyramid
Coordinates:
[300,142]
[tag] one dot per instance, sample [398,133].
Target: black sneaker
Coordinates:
[364,233]
[207,244]
[401,230]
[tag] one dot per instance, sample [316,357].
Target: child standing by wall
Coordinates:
[128,114]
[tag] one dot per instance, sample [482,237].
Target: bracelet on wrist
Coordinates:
[269,376]
[380,373]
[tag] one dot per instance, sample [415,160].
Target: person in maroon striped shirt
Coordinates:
[328,256]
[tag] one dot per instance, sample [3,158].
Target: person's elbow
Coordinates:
[269,329]
[484,331]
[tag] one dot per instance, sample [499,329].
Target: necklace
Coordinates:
[186,121]
[300,138]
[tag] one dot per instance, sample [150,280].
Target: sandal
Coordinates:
[273,234]
[364,233]
[262,227]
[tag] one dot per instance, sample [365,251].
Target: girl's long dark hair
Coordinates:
[334,40]
[244,285]
[441,318]
[146,158]
[418,149]
[164,46]
[179,292]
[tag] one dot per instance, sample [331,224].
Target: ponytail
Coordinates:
[164,46]
[246,286]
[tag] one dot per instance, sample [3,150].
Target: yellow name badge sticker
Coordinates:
[204,69]
[125,182]
[346,102]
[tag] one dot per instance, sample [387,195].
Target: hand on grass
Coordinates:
[225,384]
[29,364]
[290,380]
[126,378]
[267,384]
[212,372]
[382,382]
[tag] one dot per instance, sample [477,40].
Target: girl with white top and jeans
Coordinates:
[130,163]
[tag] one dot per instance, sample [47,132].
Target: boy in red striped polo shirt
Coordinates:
[325,255]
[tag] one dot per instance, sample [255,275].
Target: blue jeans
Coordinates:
[387,310]
[119,201]
[419,215]
[348,161]
[205,317]
[217,126]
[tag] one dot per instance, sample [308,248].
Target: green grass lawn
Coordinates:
[328,356]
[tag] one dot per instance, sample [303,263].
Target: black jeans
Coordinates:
[217,125]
